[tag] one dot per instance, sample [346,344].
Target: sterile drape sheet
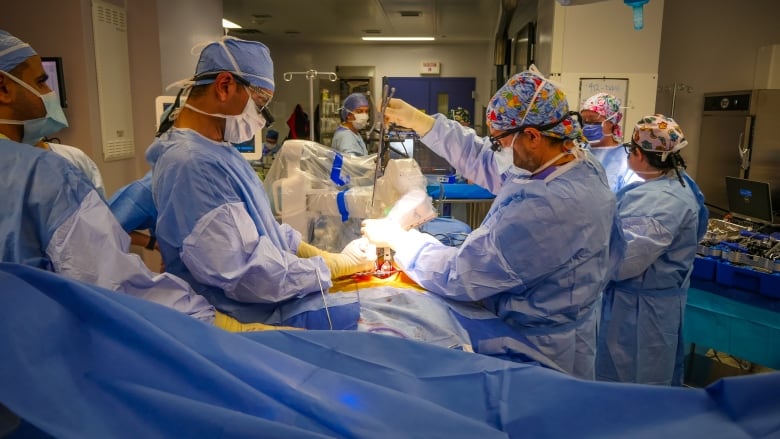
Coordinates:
[81,362]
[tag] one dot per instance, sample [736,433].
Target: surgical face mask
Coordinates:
[361,120]
[242,127]
[505,157]
[593,132]
[53,121]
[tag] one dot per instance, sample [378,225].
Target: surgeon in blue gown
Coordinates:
[540,258]
[215,227]
[663,220]
[52,217]
[601,116]
[354,117]
[133,206]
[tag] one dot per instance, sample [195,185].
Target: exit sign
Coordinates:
[430,68]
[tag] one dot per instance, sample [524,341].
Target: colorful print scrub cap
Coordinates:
[461,115]
[607,106]
[528,98]
[659,133]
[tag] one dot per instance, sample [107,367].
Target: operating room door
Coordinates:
[435,95]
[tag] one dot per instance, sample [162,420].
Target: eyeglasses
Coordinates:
[496,145]
[629,147]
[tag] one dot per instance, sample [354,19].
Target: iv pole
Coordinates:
[675,88]
[311,75]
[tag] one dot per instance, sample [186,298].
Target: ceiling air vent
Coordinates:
[410,13]
[372,31]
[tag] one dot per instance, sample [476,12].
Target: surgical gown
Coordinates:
[540,258]
[347,141]
[53,219]
[216,230]
[640,334]
[133,205]
[613,159]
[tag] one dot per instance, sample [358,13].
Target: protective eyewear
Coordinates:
[496,145]
[629,147]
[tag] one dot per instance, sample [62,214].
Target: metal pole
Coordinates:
[310,75]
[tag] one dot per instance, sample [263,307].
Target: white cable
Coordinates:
[324,301]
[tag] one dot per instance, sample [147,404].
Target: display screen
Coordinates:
[53,68]
[750,200]
[246,147]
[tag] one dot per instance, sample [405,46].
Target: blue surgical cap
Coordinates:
[250,60]
[353,102]
[13,51]
[272,134]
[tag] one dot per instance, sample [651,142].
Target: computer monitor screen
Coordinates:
[161,103]
[750,200]
[430,163]
[52,65]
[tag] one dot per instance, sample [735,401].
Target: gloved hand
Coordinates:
[405,115]
[383,232]
[358,256]
[360,252]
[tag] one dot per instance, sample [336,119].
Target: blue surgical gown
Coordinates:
[347,141]
[613,159]
[53,219]
[216,230]
[540,258]
[133,205]
[640,334]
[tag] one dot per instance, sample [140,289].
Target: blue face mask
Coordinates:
[592,132]
[52,122]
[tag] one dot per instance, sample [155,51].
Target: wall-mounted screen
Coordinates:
[52,65]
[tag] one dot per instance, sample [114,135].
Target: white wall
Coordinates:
[598,40]
[710,46]
[457,60]
[183,25]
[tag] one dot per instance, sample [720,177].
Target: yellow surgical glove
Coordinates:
[405,115]
[358,256]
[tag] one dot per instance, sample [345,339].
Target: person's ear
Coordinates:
[224,84]
[6,95]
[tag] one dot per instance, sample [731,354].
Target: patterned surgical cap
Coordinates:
[529,99]
[607,106]
[659,133]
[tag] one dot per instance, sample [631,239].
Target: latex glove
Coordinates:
[355,258]
[405,115]
[360,252]
[383,232]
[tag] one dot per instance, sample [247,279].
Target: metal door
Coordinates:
[765,147]
[723,144]
[436,95]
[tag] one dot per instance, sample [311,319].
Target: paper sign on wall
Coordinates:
[430,68]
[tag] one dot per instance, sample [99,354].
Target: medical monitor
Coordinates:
[749,200]
[52,65]
[161,103]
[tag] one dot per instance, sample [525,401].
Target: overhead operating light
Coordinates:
[398,38]
[227,24]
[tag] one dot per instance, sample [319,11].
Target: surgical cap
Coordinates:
[607,106]
[13,51]
[272,134]
[353,102]
[517,102]
[250,60]
[659,133]
[460,114]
